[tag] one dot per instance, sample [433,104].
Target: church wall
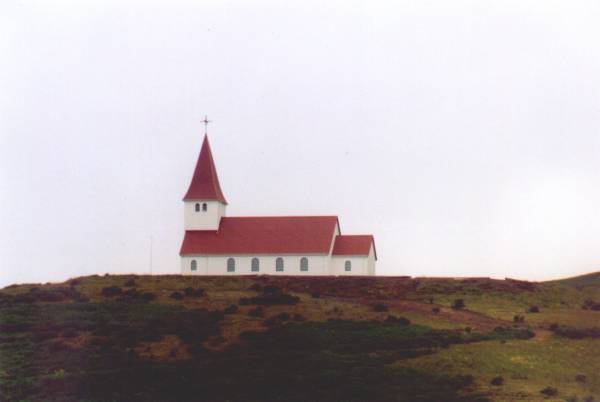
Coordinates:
[359,265]
[217,265]
[371,262]
[203,220]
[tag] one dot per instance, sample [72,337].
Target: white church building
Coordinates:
[216,244]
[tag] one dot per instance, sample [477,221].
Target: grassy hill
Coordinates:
[263,338]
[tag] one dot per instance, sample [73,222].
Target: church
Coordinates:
[217,244]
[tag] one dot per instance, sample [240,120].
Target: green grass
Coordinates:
[68,342]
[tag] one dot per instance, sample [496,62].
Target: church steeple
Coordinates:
[205,182]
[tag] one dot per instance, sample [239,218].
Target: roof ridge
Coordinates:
[282,216]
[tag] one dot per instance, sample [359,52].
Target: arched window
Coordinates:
[255,265]
[348,265]
[194,265]
[230,265]
[204,207]
[303,264]
[279,264]
[197,207]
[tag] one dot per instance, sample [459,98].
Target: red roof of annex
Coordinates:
[354,245]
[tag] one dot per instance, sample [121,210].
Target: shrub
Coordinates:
[257,287]
[534,309]
[582,378]
[111,291]
[271,322]
[458,304]
[549,391]
[191,292]
[130,282]
[497,381]
[147,296]
[271,290]
[270,299]
[315,295]
[283,316]
[591,305]
[299,317]
[397,320]
[577,333]
[380,307]
[256,312]
[176,296]
[231,309]
[518,318]
[468,330]
[435,310]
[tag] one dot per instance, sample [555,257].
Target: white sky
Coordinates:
[464,135]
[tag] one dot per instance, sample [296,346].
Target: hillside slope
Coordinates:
[262,338]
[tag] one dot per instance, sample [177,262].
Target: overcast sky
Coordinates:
[465,135]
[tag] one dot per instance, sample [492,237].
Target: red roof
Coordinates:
[264,235]
[354,245]
[205,182]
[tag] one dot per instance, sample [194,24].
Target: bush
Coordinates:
[582,378]
[534,309]
[497,381]
[191,292]
[176,296]
[549,391]
[468,330]
[257,287]
[315,295]
[391,319]
[435,310]
[130,283]
[577,333]
[299,317]
[518,318]
[148,297]
[270,299]
[111,291]
[283,316]
[256,312]
[231,309]
[271,290]
[271,322]
[591,305]
[380,307]
[458,304]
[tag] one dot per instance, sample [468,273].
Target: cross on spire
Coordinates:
[206,121]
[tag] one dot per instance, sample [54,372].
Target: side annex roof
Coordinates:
[354,245]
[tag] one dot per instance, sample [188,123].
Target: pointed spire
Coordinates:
[205,182]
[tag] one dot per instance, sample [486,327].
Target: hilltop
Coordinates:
[277,338]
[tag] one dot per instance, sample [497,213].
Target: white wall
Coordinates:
[361,265]
[371,262]
[203,220]
[217,265]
